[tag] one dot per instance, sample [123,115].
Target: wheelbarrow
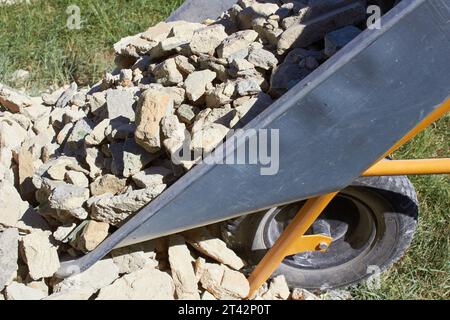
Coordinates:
[336,206]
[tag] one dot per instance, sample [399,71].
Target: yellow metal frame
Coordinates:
[293,239]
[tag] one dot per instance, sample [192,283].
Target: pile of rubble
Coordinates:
[77,162]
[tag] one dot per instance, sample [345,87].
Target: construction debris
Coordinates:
[89,158]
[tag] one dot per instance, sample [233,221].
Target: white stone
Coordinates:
[214,248]
[8,255]
[19,291]
[101,274]
[197,82]
[183,274]
[40,254]
[12,207]
[145,284]
[207,39]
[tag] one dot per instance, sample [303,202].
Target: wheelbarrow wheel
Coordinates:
[372,223]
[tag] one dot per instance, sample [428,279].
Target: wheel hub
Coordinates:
[347,220]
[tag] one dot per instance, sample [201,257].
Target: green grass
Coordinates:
[423,273]
[35,37]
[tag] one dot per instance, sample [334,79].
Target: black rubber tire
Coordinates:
[394,201]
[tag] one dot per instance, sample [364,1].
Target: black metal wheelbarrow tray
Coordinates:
[336,207]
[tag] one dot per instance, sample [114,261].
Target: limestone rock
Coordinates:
[12,135]
[214,248]
[19,291]
[207,39]
[66,96]
[8,255]
[167,73]
[68,197]
[115,209]
[210,135]
[278,289]
[302,294]
[135,257]
[224,283]
[129,158]
[101,274]
[75,294]
[237,44]
[120,104]
[302,35]
[77,178]
[107,184]
[263,59]
[92,235]
[153,177]
[153,106]
[183,275]
[12,207]
[145,284]
[173,133]
[197,82]
[336,40]
[98,134]
[12,100]
[40,254]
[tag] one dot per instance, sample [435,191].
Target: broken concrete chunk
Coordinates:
[182,270]
[8,255]
[207,39]
[40,254]
[153,106]
[214,248]
[145,284]
[336,40]
[197,82]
